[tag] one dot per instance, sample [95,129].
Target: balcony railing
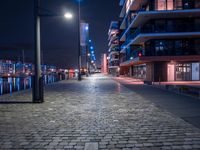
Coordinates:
[113,63]
[131,37]
[116,48]
[183,27]
[142,9]
[133,15]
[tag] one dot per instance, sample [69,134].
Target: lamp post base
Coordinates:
[79,77]
[37,90]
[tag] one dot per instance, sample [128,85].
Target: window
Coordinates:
[188,4]
[149,50]
[178,26]
[139,71]
[170,47]
[164,4]
[170,4]
[160,26]
[183,72]
[186,47]
[178,4]
[160,47]
[160,4]
[170,26]
[197,24]
[197,4]
[197,46]
[178,47]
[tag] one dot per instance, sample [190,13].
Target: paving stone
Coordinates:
[97,110]
[91,146]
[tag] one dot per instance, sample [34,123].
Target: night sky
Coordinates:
[59,36]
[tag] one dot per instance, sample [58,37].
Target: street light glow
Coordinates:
[68,15]
[86,28]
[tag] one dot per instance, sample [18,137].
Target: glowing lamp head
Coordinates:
[86,28]
[68,15]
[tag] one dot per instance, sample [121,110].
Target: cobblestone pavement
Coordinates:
[96,110]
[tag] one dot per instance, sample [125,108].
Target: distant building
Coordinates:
[160,39]
[114,49]
[19,69]
[84,38]
[104,64]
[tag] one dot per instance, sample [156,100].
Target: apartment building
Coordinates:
[114,48]
[160,39]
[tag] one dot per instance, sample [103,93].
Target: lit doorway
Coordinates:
[171,72]
[183,72]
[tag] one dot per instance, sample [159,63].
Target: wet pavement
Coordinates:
[96,113]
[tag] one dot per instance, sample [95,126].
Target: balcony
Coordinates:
[113,33]
[115,49]
[130,38]
[113,64]
[113,56]
[141,38]
[134,5]
[144,16]
[142,35]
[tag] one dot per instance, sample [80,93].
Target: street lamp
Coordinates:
[38,96]
[68,15]
[79,46]
[37,80]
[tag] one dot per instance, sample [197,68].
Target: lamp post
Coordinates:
[38,96]
[79,46]
[37,80]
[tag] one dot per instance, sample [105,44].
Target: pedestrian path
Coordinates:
[96,112]
[185,107]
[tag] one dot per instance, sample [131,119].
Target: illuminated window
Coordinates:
[178,4]
[170,4]
[160,4]
[197,4]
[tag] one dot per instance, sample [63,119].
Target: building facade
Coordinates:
[114,48]
[160,39]
[104,64]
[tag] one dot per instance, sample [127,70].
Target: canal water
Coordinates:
[14,84]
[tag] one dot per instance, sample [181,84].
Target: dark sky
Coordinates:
[59,36]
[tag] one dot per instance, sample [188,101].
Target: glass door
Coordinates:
[183,72]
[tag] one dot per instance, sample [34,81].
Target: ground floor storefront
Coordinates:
[187,71]
[114,71]
[163,71]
